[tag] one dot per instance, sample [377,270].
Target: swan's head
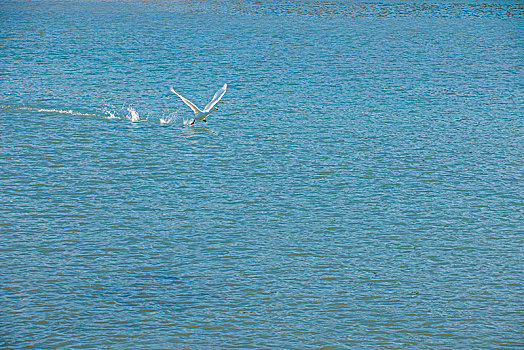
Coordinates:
[216,108]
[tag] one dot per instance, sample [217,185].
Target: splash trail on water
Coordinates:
[127,113]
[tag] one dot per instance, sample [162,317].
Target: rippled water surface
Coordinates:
[361,185]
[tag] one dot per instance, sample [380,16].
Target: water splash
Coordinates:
[189,122]
[111,115]
[133,115]
[169,119]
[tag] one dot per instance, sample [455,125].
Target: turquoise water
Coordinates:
[361,185]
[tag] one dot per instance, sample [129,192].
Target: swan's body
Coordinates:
[200,115]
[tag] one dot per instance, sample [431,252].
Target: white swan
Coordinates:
[202,114]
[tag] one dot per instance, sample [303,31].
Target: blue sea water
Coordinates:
[361,185]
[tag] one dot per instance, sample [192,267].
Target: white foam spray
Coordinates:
[133,115]
[168,119]
[188,122]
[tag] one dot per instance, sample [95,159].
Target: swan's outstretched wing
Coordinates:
[187,102]
[216,98]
